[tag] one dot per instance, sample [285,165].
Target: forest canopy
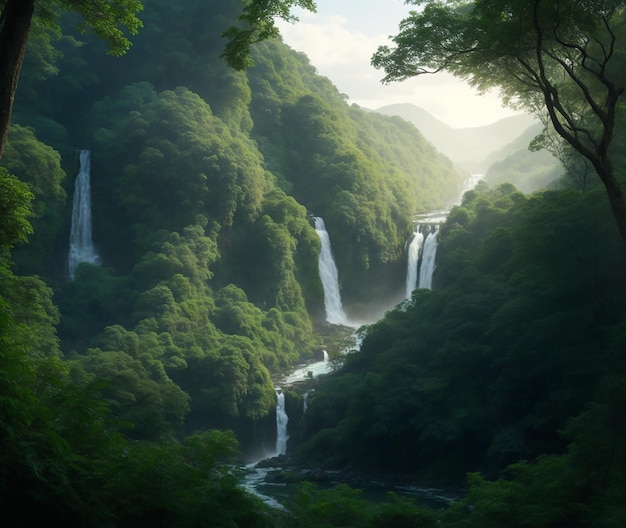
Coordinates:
[133,390]
[560,60]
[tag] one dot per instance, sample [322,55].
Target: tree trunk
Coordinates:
[14,29]
[617,203]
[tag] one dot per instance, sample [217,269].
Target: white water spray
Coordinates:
[329,277]
[427,267]
[81,244]
[413,258]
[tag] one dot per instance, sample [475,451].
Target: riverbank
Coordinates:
[276,480]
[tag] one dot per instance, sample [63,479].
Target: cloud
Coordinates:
[329,42]
[342,52]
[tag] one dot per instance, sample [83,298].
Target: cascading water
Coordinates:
[281,424]
[427,266]
[413,258]
[421,265]
[81,244]
[428,245]
[255,475]
[329,277]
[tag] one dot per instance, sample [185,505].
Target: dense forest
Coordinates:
[131,389]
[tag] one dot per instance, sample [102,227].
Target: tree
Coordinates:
[110,21]
[100,16]
[15,211]
[258,24]
[563,59]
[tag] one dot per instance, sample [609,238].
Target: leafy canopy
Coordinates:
[257,24]
[561,60]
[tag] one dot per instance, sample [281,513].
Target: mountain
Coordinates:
[467,147]
[527,170]
[521,142]
[203,183]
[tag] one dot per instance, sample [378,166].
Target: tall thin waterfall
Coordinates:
[281,423]
[81,244]
[413,258]
[329,277]
[427,267]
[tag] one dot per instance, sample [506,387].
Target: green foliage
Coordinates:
[183,485]
[34,314]
[53,435]
[104,20]
[342,506]
[190,255]
[211,264]
[161,156]
[15,211]
[202,178]
[177,161]
[563,63]
[257,20]
[541,494]
[39,166]
[64,463]
[109,22]
[365,174]
[487,369]
[583,487]
[528,170]
[94,299]
[285,248]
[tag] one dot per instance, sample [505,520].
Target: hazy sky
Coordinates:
[340,40]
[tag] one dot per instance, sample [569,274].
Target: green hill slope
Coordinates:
[202,182]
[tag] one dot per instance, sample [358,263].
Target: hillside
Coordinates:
[136,386]
[467,147]
[527,170]
[203,183]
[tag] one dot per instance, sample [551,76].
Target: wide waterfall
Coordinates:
[428,224]
[329,277]
[281,424]
[414,254]
[421,258]
[427,266]
[81,244]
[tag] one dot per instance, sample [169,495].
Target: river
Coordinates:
[273,481]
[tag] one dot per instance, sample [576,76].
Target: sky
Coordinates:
[342,36]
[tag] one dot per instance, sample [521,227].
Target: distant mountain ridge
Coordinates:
[467,147]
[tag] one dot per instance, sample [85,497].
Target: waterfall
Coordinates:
[428,246]
[329,277]
[305,397]
[413,258]
[81,244]
[427,266]
[325,355]
[281,424]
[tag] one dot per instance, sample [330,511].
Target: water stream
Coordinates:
[420,268]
